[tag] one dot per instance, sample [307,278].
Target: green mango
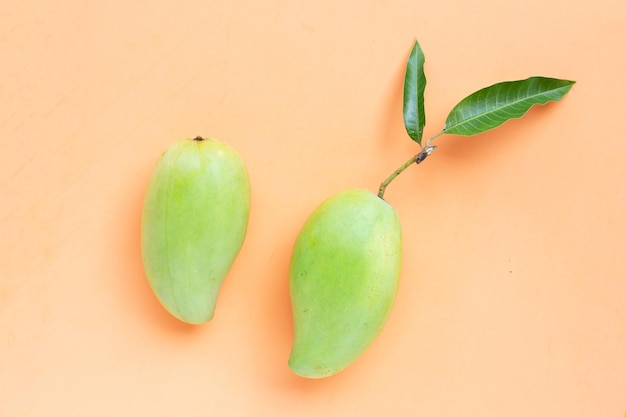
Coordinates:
[194,222]
[343,280]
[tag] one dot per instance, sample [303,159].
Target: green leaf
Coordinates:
[414,84]
[490,107]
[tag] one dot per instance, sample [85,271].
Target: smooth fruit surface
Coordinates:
[194,222]
[343,280]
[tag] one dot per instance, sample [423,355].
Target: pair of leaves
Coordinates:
[481,111]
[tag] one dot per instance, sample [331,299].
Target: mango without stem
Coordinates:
[194,223]
[343,280]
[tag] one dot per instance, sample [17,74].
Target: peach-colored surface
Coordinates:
[513,293]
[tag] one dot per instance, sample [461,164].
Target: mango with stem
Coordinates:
[343,281]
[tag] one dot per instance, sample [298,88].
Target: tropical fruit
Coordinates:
[194,223]
[343,280]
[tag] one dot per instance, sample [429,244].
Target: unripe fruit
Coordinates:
[343,281]
[194,222]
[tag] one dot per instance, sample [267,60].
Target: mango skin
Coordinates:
[194,222]
[343,279]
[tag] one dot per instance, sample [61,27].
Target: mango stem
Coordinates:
[416,159]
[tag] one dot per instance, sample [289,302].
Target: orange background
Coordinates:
[513,292]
